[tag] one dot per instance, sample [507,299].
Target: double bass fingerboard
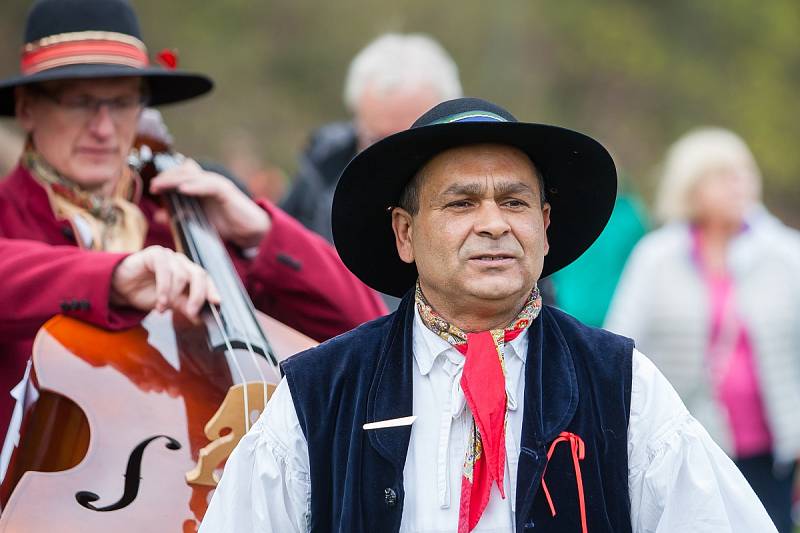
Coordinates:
[236,324]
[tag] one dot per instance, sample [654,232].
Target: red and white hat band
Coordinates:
[87,47]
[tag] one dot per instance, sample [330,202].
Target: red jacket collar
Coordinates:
[31,194]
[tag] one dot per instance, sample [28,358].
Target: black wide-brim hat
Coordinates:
[580,182]
[83,39]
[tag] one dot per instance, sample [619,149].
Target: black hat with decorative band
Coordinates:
[580,182]
[81,39]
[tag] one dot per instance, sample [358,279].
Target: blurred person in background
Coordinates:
[598,270]
[713,297]
[390,83]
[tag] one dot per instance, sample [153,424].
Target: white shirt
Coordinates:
[678,478]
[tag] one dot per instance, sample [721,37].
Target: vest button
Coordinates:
[390,497]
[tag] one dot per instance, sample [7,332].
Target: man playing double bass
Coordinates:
[85,78]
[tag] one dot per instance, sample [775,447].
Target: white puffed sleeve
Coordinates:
[679,479]
[265,487]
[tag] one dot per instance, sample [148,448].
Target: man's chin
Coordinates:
[498,290]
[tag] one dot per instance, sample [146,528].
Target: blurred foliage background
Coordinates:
[634,74]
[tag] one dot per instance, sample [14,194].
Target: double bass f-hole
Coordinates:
[132,478]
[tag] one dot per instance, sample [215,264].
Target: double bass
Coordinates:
[128,431]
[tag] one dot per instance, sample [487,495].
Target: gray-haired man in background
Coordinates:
[389,83]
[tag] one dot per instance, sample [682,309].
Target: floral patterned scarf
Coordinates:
[116,223]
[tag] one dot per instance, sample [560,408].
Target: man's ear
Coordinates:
[546,220]
[403,234]
[22,109]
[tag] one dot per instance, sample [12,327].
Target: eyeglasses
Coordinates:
[83,107]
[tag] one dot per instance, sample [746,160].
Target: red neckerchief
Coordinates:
[484,384]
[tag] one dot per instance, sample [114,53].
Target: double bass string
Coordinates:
[229,349]
[190,212]
[200,219]
[182,214]
[234,278]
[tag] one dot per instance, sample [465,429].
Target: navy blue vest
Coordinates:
[577,379]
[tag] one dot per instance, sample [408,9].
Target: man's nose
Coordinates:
[491,221]
[102,123]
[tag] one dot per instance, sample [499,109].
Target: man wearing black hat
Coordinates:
[473,407]
[85,78]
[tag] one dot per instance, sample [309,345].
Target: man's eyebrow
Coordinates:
[465,189]
[503,188]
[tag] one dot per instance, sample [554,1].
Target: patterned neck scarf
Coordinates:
[484,385]
[116,223]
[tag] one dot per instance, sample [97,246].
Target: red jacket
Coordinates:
[296,278]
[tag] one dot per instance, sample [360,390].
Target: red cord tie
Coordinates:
[578,453]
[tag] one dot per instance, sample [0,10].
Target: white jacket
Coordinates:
[662,303]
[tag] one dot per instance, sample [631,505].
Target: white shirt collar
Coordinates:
[428,346]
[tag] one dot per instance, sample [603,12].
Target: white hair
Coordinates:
[395,59]
[692,158]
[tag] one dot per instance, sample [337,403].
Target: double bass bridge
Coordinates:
[227,427]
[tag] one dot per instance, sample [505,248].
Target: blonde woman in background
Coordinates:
[713,297]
